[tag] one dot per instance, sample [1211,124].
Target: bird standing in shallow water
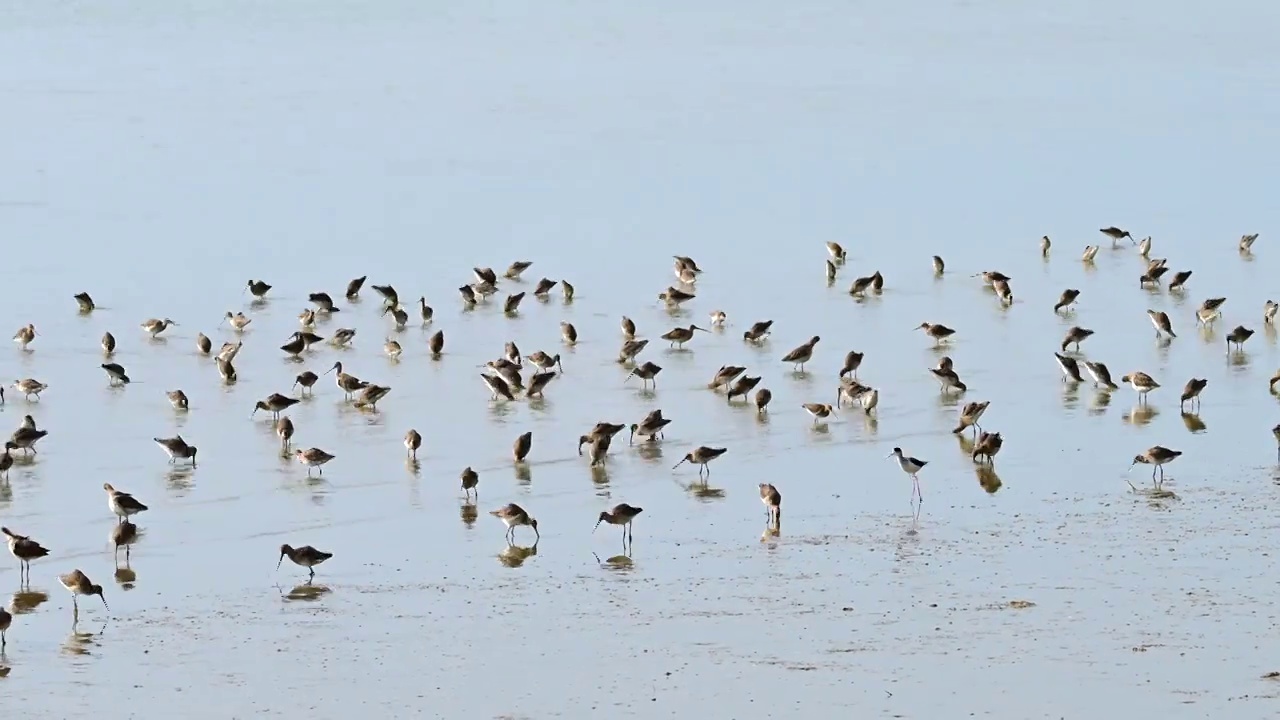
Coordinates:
[911,466]
[25,550]
[77,583]
[1156,455]
[313,458]
[621,514]
[802,354]
[772,500]
[306,556]
[513,516]
[1192,391]
[701,456]
[122,503]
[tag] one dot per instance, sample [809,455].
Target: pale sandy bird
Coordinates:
[25,336]
[1156,455]
[1210,310]
[513,516]
[718,318]
[1090,252]
[122,503]
[1075,336]
[939,266]
[1269,311]
[307,318]
[870,400]
[238,320]
[568,290]
[1160,320]
[1246,242]
[802,354]
[628,328]
[969,416]
[1144,246]
[1141,382]
[412,441]
[1045,244]
[177,449]
[772,500]
[30,387]
[837,252]
[392,349]
[154,327]
[77,583]
[1066,300]
[284,431]
[1191,391]
[818,411]
[313,458]
[178,400]
[306,556]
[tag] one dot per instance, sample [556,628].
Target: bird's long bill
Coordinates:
[673,467]
[104,601]
[279,561]
[593,530]
[335,367]
[1130,467]
[888,456]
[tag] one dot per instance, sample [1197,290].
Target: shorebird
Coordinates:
[1209,310]
[497,386]
[512,303]
[630,349]
[987,446]
[388,293]
[877,282]
[399,315]
[284,431]
[295,346]
[1003,291]
[435,344]
[108,343]
[323,302]
[1144,246]
[650,428]
[25,336]
[1156,455]
[370,396]
[203,344]
[991,277]
[1141,382]
[342,337]
[1070,368]
[969,415]
[544,287]
[718,318]
[801,354]
[275,403]
[1179,280]
[628,328]
[831,272]
[621,514]
[470,481]
[850,390]
[313,458]
[675,297]
[1275,432]
[85,302]
[306,556]
[6,619]
[758,331]
[939,266]
[543,361]
[512,515]
[679,336]
[521,447]
[1075,336]
[1100,374]
[701,456]
[1246,242]
[122,503]
[870,400]
[346,383]
[412,441]
[538,382]
[25,438]
[1045,244]
[1152,276]
[599,450]
[725,375]
[911,466]
[1065,300]
[30,387]
[468,295]
[861,285]
[1238,336]
[1191,391]
[1090,252]
[307,380]
[569,333]
[1116,234]
[648,372]
[229,351]
[238,320]
[392,349]
[1269,310]
[226,370]
[177,449]
[936,331]
[353,287]
[741,387]
[763,396]
[6,462]
[516,269]
[819,411]
[307,318]
[772,500]
[949,379]
[123,534]
[425,311]
[1160,320]
[77,583]
[25,550]
[258,288]
[567,290]
[836,252]
[154,327]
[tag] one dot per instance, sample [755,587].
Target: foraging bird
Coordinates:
[1075,335]
[861,285]
[122,503]
[911,466]
[412,441]
[313,458]
[763,396]
[1179,280]
[342,337]
[1070,368]
[621,514]
[568,291]
[275,403]
[1116,234]
[25,336]
[1246,242]
[1090,252]
[1191,391]
[852,361]
[30,387]
[647,372]
[1045,244]
[226,370]
[513,516]
[538,382]
[77,583]
[470,480]
[353,287]
[701,456]
[523,444]
[630,349]
[307,380]
[155,327]
[108,343]
[25,438]
[801,354]
[238,320]
[949,380]
[177,449]
[969,416]
[436,344]
[1100,374]
[1144,246]
[569,333]
[1160,320]
[675,297]
[306,556]
[544,288]
[1141,382]
[258,288]
[936,331]
[284,431]
[718,318]
[679,336]
[651,427]
[1238,336]
[1003,291]
[1158,456]
[1067,298]
[939,266]
[544,361]
[987,446]
[819,411]
[497,386]
[772,500]
[741,387]
[1209,310]
[725,375]
[837,252]
[178,400]
[1269,310]
[323,302]
[512,303]
[758,331]
[370,396]
[628,328]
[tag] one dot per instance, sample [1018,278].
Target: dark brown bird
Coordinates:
[852,361]
[544,287]
[306,556]
[1238,336]
[1116,234]
[1068,297]
[763,396]
[470,480]
[1179,280]
[436,343]
[323,302]
[741,387]
[520,450]
[647,372]
[701,456]
[758,331]
[1191,391]
[988,445]
[353,287]
[621,514]
[1075,335]
[512,303]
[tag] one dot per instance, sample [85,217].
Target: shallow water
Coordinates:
[160,155]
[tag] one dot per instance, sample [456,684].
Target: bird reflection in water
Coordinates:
[467,511]
[987,478]
[1141,414]
[650,451]
[600,475]
[513,556]
[26,601]
[413,466]
[307,591]
[124,535]
[617,563]
[81,643]
[1193,422]
[524,473]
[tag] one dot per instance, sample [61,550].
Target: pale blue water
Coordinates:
[160,155]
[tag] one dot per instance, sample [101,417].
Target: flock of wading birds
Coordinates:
[504,379]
